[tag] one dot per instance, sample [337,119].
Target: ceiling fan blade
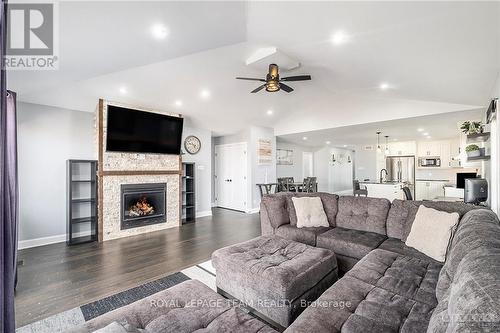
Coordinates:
[286,88]
[297,78]
[258,89]
[250,79]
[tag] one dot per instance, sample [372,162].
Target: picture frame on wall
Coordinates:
[284,156]
[265,152]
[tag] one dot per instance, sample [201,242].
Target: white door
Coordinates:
[307,164]
[231,176]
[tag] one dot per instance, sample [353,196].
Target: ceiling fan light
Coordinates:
[272,86]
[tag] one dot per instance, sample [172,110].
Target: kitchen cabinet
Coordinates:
[403,148]
[428,190]
[445,154]
[447,150]
[389,191]
[429,148]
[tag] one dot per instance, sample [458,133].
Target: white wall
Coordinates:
[295,170]
[365,163]
[261,173]
[256,173]
[203,171]
[47,137]
[333,177]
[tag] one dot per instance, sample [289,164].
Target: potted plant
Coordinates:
[471,127]
[472,151]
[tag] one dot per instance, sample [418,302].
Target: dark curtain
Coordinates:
[8,191]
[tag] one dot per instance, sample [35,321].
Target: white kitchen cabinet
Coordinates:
[429,148]
[403,148]
[428,190]
[445,154]
[388,191]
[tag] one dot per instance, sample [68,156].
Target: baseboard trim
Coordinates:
[204,213]
[29,243]
[253,211]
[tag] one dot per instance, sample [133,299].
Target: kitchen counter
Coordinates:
[388,190]
[379,183]
[433,180]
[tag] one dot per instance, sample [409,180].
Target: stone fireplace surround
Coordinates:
[116,169]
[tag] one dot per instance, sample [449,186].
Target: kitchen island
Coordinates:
[388,190]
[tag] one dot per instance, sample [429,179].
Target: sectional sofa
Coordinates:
[387,286]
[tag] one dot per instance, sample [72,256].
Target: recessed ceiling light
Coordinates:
[425,134]
[384,86]
[123,90]
[429,137]
[269,112]
[420,129]
[304,138]
[205,94]
[178,103]
[345,146]
[328,142]
[159,31]
[339,37]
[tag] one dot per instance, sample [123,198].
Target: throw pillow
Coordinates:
[431,232]
[310,212]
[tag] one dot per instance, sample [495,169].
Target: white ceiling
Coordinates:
[437,56]
[438,127]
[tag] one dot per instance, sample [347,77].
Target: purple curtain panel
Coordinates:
[8,191]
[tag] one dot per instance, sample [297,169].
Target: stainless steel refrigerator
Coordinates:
[401,169]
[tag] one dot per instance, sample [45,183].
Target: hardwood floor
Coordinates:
[56,278]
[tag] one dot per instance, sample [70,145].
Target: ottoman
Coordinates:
[187,307]
[275,277]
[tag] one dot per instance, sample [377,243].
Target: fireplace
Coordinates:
[142,204]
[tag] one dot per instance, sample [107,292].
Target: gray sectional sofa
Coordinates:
[387,286]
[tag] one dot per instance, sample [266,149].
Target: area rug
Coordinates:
[67,320]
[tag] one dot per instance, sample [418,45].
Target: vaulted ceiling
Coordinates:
[435,57]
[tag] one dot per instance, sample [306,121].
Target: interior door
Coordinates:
[231,176]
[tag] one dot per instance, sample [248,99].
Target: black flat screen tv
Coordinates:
[130,130]
[462,176]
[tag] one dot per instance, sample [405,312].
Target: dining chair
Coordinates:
[357,190]
[407,193]
[306,185]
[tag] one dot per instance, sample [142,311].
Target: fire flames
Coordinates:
[141,208]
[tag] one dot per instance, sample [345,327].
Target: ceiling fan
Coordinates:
[273,82]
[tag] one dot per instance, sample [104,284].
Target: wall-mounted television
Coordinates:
[462,176]
[130,130]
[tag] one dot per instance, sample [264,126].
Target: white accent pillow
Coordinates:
[310,212]
[431,232]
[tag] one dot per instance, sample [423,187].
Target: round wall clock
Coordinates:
[192,144]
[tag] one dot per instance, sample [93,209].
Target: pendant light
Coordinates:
[378,142]
[386,145]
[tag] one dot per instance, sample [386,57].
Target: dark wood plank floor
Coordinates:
[56,278]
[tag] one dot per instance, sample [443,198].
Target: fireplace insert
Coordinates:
[143,204]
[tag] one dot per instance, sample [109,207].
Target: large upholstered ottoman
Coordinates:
[187,307]
[273,276]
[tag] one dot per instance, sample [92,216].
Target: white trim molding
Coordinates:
[253,210]
[204,213]
[29,243]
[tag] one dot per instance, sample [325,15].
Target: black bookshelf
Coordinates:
[188,194]
[81,205]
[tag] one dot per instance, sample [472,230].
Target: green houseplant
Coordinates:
[471,127]
[472,151]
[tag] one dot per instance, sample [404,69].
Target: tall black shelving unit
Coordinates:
[81,205]
[188,195]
